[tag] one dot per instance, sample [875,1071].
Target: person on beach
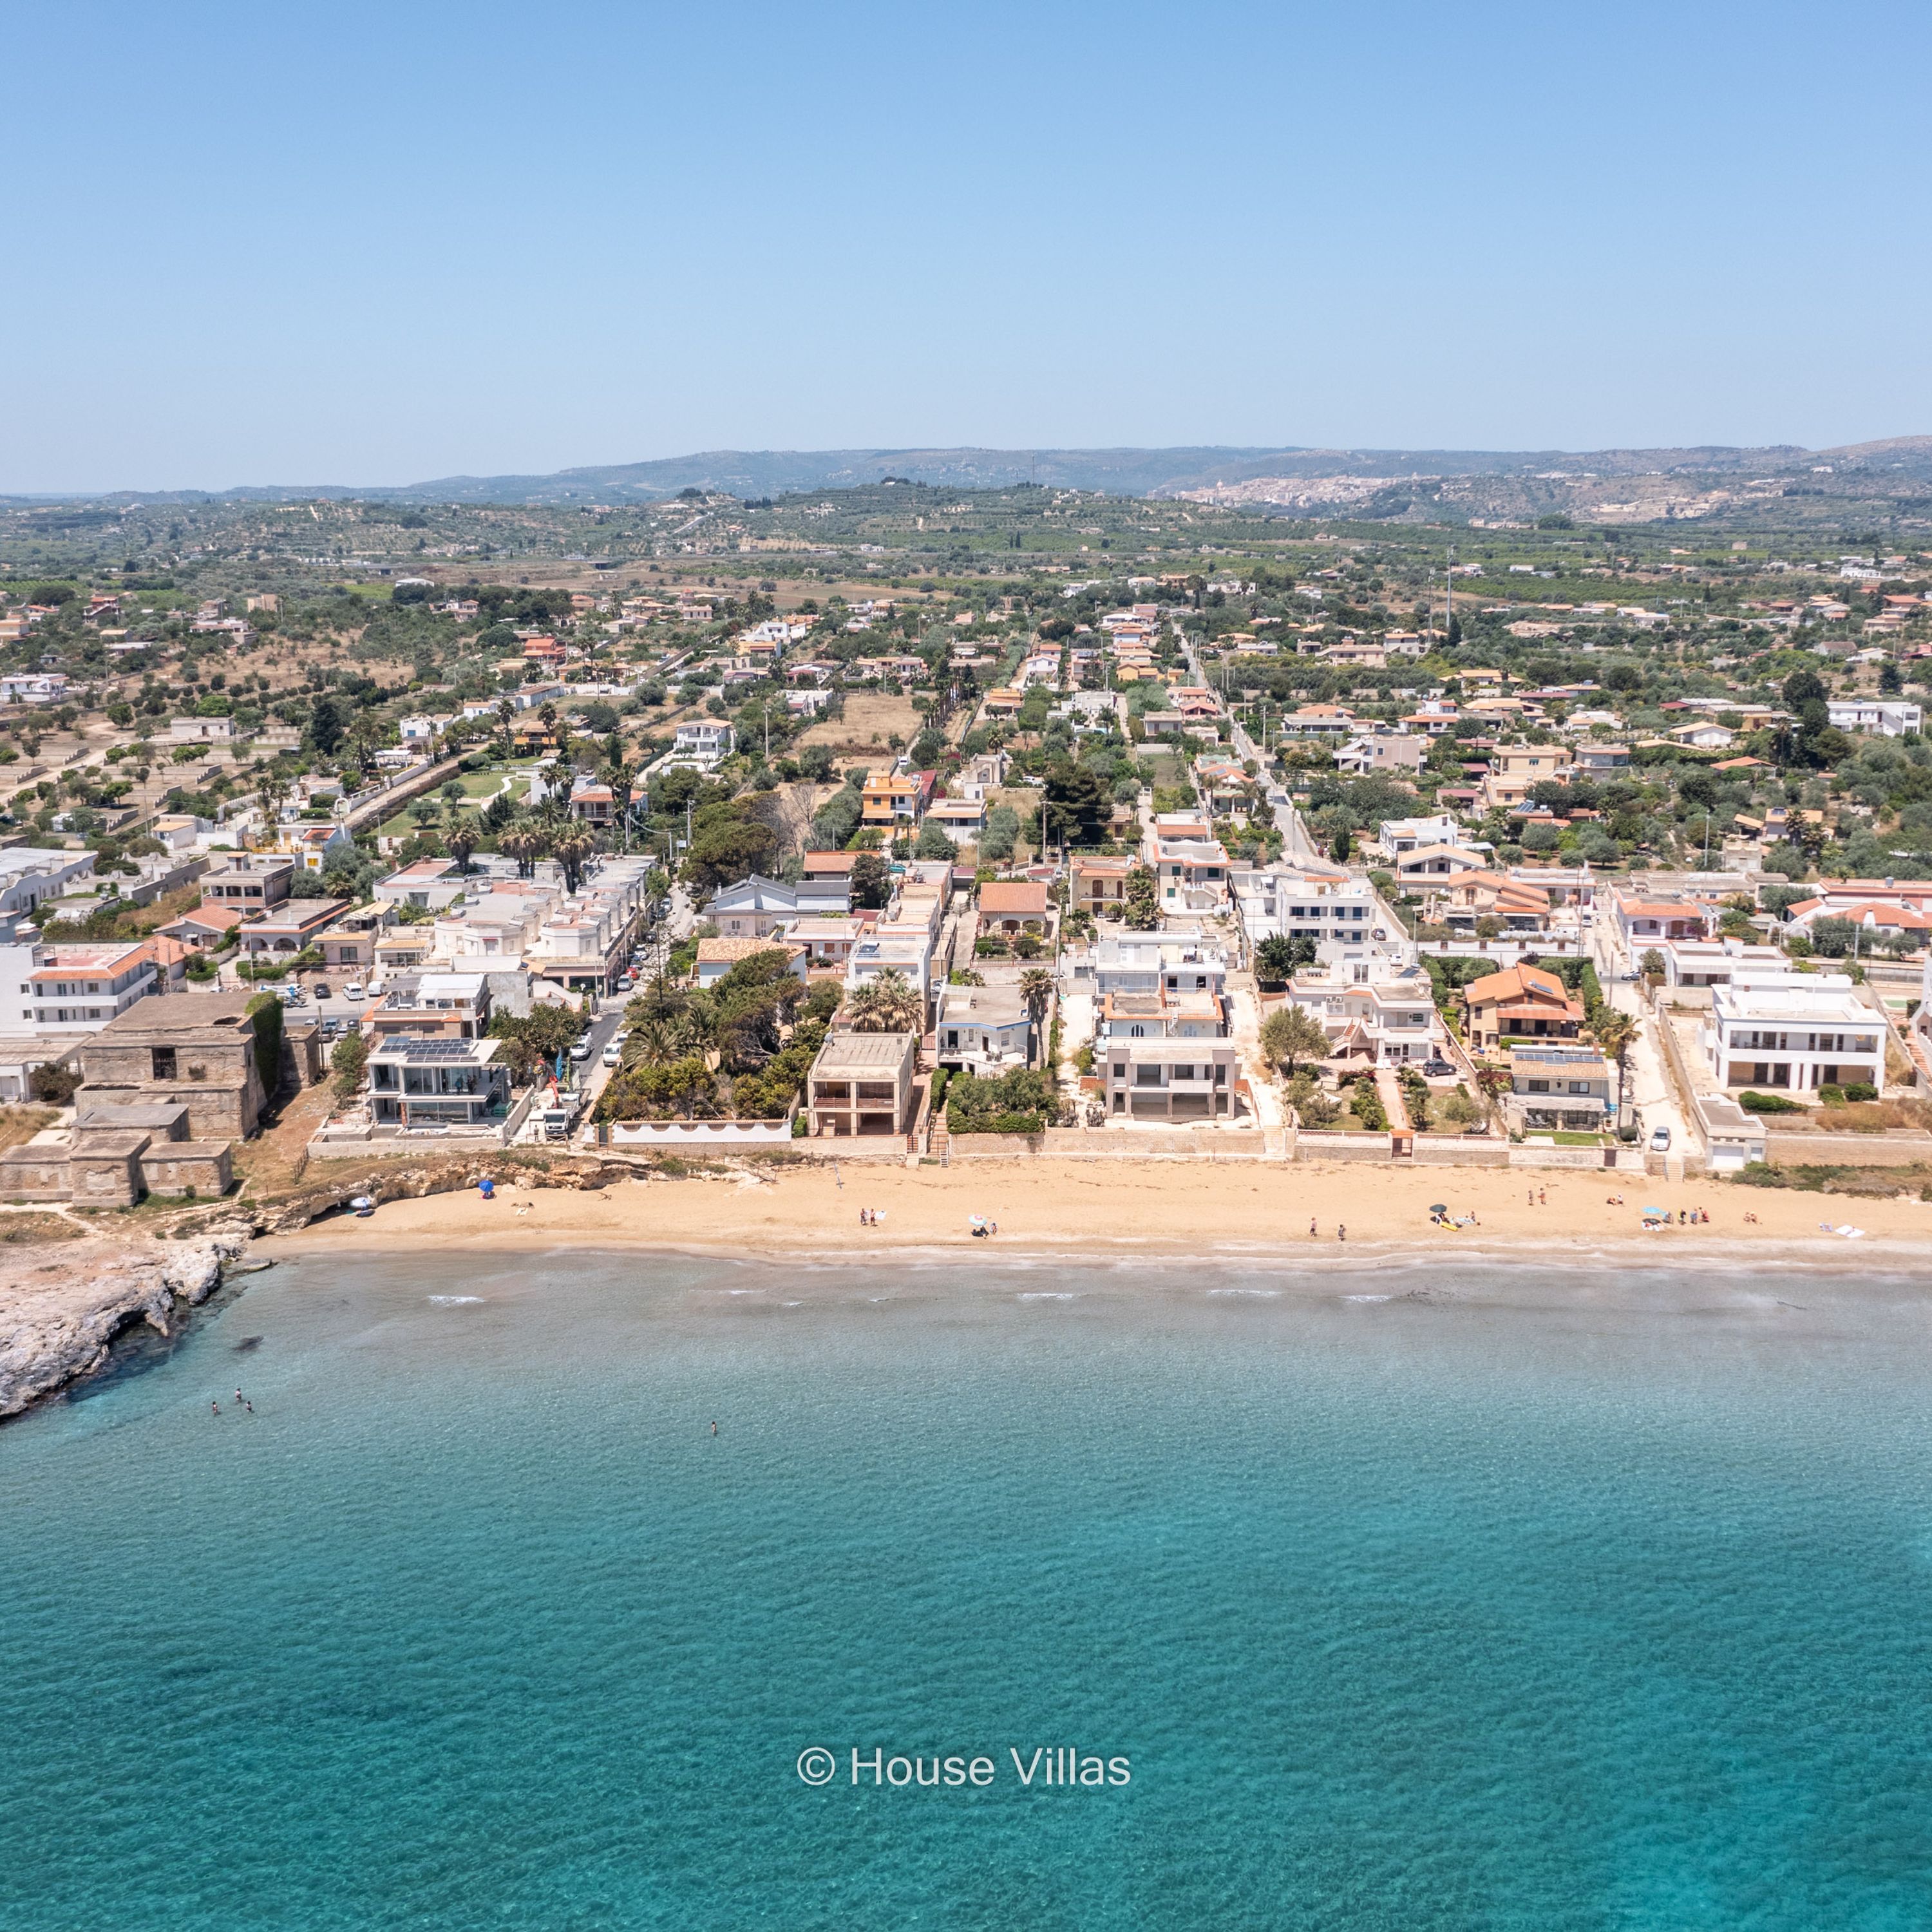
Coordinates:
[249,1407]
[1314,1232]
[1543,1197]
[1341,1231]
[714,1429]
[216,1406]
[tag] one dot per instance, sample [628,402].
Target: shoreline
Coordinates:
[1229,1214]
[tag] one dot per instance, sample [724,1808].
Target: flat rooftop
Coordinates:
[845,1053]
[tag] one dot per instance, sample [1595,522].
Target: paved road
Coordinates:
[1650,1089]
[1296,842]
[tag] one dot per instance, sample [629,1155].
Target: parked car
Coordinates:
[580,1051]
[612,1054]
[320,989]
[1437,1069]
[1660,1141]
[352,991]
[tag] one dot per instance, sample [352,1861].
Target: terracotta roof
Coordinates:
[1018,895]
[1519,982]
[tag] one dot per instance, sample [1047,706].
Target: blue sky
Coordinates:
[366,245]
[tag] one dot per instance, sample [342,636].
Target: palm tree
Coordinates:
[620,777]
[1036,991]
[1616,1034]
[888,1003]
[570,852]
[461,841]
[506,716]
[526,845]
[654,1040]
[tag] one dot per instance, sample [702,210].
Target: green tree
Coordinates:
[1141,904]
[727,846]
[1289,1036]
[1002,832]
[347,1061]
[871,882]
[1076,805]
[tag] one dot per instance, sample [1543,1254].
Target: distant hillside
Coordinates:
[1782,484]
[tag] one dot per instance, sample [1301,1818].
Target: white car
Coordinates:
[580,1051]
[1659,1142]
[612,1054]
[353,990]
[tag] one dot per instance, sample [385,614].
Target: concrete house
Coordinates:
[861,1083]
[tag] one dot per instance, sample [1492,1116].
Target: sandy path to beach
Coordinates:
[1119,1208]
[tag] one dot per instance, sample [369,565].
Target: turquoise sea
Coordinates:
[1503,1599]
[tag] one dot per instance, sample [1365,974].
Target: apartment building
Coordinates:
[1793,1033]
[1149,963]
[73,989]
[1168,1079]
[1515,769]
[1372,1005]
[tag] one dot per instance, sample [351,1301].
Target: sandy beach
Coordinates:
[1074,1210]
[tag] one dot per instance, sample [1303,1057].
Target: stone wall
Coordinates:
[1884,1150]
[204,1168]
[35,1174]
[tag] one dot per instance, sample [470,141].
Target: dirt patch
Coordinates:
[33,1230]
[19,1125]
[870,723]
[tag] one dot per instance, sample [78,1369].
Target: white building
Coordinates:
[1154,963]
[704,742]
[1307,905]
[1792,1033]
[72,989]
[1398,835]
[1889,717]
[1370,1004]
[1383,751]
[30,874]
[1717,962]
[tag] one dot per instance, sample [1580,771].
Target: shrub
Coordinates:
[1831,1094]
[1020,1101]
[266,1010]
[1367,1106]
[54,1084]
[1767,1103]
[1861,1090]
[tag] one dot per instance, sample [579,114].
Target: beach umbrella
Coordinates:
[1438,1207]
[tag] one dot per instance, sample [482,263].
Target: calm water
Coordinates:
[1406,1614]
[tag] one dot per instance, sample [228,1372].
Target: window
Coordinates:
[162,1062]
[1580,1086]
[1539,1087]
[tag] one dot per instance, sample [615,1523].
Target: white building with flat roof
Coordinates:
[1793,1033]
[1885,717]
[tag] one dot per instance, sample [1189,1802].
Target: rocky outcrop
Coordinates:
[59,1316]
